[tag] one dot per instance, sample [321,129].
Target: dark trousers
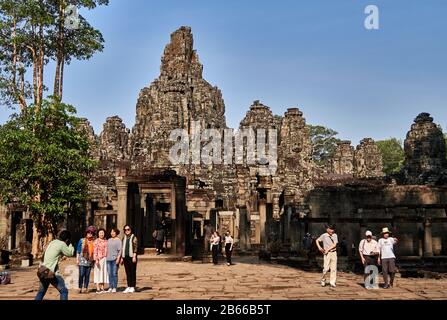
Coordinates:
[159,246]
[228,252]
[131,272]
[84,276]
[57,282]
[215,254]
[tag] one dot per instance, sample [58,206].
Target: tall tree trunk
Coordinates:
[58,78]
[19,92]
[61,85]
[41,62]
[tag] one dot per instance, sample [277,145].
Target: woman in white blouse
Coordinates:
[215,241]
[228,247]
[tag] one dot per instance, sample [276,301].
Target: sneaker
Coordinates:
[99,292]
[113,290]
[131,290]
[109,291]
[333,285]
[127,290]
[323,283]
[228,264]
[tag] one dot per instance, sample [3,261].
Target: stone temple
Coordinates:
[137,183]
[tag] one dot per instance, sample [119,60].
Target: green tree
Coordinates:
[392,155]
[324,143]
[33,33]
[45,165]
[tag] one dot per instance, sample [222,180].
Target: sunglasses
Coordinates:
[126,229]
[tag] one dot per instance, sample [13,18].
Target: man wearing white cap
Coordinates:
[387,257]
[369,250]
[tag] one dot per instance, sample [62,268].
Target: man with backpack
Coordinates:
[48,272]
[369,251]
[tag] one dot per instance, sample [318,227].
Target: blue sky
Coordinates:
[315,55]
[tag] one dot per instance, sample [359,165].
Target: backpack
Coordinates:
[5,278]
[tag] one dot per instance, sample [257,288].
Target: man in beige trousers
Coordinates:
[329,249]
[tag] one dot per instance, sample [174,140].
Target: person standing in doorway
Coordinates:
[100,255]
[329,250]
[369,251]
[84,258]
[48,272]
[229,243]
[129,258]
[215,243]
[114,246]
[387,257]
[307,245]
[209,231]
[160,237]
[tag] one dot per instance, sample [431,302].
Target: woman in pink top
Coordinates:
[100,255]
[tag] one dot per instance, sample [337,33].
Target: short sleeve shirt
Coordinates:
[386,247]
[328,241]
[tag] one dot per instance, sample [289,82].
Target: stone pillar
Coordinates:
[4,227]
[262,219]
[121,187]
[428,243]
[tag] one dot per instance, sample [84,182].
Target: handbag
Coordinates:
[43,273]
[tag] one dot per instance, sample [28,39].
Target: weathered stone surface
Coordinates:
[368,160]
[114,140]
[252,199]
[342,162]
[425,152]
[363,162]
[175,100]
[296,167]
[86,129]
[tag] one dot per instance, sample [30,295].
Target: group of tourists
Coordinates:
[216,246]
[102,252]
[372,253]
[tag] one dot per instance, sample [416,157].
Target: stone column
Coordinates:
[428,243]
[262,219]
[121,187]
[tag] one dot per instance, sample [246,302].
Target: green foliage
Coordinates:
[44,161]
[32,34]
[324,144]
[392,155]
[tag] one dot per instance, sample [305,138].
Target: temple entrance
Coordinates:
[157,214]
[158,201]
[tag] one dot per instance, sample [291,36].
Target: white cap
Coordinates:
[369,234]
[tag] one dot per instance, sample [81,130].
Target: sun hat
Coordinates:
[385,230]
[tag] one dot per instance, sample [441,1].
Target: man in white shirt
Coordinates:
[387,257]
[329,249]
[369,251]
